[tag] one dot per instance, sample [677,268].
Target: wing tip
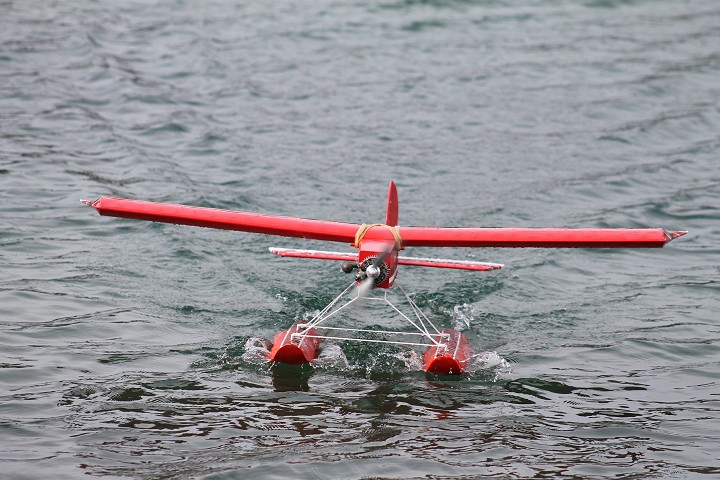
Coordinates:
[673,235]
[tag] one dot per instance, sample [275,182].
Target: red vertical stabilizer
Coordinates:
[391,213]
[451,360]
[294,352]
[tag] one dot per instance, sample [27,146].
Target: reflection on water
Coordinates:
[460,423]
[290,377]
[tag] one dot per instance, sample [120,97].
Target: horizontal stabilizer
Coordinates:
[443,263]
[292,252]
[412,261]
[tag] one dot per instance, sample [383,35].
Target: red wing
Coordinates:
[226,219]
[536,237]
[411,236]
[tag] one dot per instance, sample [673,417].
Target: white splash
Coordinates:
[256,351]
[410,358]
[489,361]
[463,315]
[331,356]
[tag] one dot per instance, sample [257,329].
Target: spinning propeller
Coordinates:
[371,273]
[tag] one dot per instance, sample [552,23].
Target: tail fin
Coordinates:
[391,214]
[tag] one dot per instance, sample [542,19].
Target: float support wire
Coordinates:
[421,325]
[418,313]
[324,315]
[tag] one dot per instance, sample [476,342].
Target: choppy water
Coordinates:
[127,349]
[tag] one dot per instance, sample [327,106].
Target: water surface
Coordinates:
[128,349]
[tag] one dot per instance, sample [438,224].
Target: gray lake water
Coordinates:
[128,349]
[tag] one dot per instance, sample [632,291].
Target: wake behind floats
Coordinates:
[375,265]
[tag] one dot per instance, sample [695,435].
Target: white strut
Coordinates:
[421,323]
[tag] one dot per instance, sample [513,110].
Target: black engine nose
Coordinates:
[348,267]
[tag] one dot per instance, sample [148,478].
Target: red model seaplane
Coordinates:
[376,264]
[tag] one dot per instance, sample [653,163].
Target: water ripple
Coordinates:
[136,350]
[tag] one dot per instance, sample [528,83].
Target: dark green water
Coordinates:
[126,347]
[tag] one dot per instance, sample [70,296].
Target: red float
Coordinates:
[295,346]
[451,356]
